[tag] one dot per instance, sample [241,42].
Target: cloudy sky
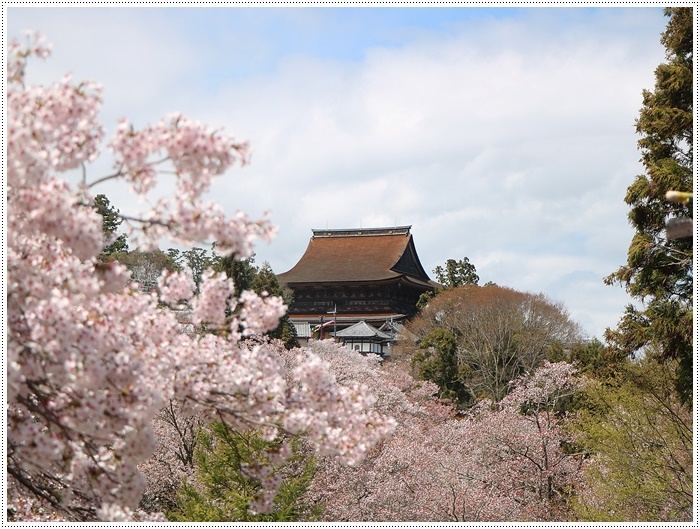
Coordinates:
[505,135]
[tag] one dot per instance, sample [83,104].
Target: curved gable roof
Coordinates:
[357,255]
[362,329]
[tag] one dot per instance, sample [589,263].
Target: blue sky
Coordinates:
[505,135]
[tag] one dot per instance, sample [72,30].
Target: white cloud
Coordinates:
[508,141]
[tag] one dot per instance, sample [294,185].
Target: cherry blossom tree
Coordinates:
[506,461]
[90,358]
[173,460]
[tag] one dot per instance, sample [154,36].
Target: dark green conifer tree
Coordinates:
[452,275]
[247,276]
[436,360]
[225,492]
[456,273]
[242,271]
[266,281]
[114,244]
[658,271]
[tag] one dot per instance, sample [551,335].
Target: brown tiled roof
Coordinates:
[357,255]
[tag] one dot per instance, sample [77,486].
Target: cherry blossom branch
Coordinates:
[91,360]
[121,173]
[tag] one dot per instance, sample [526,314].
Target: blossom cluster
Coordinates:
[176,287]
[260,313]
[48,129]
[352,427]
[504,462]
[90,358]
[17,54]
[195,153]
[213,300]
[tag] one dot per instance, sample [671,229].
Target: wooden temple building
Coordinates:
[345,277]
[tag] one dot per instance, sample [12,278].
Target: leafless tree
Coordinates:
[500,333]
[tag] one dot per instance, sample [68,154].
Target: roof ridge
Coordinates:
[362,232]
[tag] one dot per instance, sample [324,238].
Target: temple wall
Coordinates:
[353,299]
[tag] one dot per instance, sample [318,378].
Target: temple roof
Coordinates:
[358,255]
[362,330]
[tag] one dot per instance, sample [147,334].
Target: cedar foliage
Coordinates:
[246,275]
[452,275]
[456,273]
[110,224]
[658,271]
[224,492]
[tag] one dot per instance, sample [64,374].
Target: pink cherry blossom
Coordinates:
[213,300]
[260,313]
[92,360]
[176,287]
[496,463]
